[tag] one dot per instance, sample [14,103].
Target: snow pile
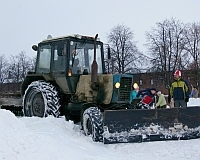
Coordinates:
[193,102]
[30,138]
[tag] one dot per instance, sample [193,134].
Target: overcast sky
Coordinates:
[27,22]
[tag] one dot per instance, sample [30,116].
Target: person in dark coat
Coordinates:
[147,97]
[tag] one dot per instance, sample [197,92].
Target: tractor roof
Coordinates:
[49,38]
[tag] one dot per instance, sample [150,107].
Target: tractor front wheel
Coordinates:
[92,123]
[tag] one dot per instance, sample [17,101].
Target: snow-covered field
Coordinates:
[31,138]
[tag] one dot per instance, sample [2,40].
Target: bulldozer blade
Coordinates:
[125,126]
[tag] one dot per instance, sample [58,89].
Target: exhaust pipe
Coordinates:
[94,67]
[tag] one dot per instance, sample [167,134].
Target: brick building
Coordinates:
[9,87]
[144,80]
[158,80]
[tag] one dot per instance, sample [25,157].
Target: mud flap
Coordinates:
[124,126]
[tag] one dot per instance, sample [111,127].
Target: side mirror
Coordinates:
[35,47]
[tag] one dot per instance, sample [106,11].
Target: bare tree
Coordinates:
[123,49]
[192,38]
[19,66]
[3,69]
[166,44]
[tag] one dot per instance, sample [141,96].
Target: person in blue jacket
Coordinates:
[194,92]
[134,92]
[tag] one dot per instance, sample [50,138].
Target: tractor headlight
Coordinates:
[117,85]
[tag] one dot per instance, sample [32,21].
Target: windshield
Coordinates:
[82,56]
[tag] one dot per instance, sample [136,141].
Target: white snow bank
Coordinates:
[31,138]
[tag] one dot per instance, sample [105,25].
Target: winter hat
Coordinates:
[153,89]
[178,73]
[159,92]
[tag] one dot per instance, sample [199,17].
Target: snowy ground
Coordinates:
[56,139]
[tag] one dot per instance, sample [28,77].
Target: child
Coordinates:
[134,92]
[161,101]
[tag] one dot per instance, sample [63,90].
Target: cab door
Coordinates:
[59,63]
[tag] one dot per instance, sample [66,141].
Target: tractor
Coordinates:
[71,79]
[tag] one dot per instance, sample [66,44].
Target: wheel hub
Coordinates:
[89,126]
[38,105]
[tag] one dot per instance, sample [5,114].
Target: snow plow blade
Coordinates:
[125,126]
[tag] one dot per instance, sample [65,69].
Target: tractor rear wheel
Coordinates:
[92,123]
[41,100]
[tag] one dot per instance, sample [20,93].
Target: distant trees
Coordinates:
[192,43]
[16,68]
[173,45]
[166,44]
[123,49]
[192,36]
[3,68]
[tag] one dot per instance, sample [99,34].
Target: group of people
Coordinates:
[179,94]
[150,97]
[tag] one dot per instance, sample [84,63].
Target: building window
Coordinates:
[151,81]
[140,82]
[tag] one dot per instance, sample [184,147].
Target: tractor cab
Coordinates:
[62,60]
[70,55]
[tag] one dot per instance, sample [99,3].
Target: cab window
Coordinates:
[59,58]
[44,59]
